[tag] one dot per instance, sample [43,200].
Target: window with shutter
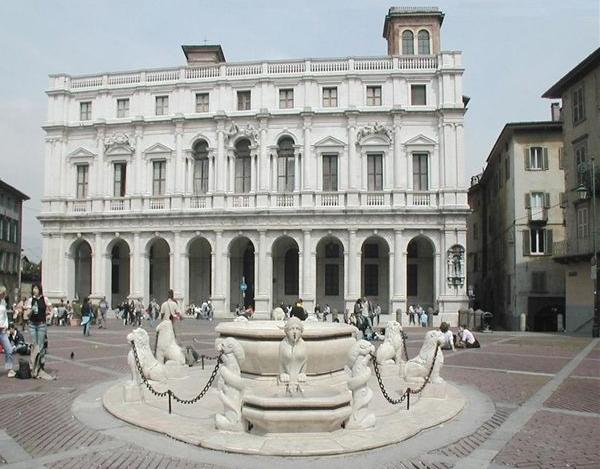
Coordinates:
[526,159]
[548,242]
[560,158]
[526,245]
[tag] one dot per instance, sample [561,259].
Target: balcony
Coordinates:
[293,201]
[572,250]
[537,215]
[276,68]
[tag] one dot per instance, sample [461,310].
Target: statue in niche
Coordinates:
[292,357]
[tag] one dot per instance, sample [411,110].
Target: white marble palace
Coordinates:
[324,179]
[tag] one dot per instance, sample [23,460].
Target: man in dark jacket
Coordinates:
[298,310]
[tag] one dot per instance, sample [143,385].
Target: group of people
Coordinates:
[415,312]
[464,338]
[203,311]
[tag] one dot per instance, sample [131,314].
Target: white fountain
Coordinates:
[310,379]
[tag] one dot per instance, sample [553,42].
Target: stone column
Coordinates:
[263,157]
[177,267]
[354,273]
[309,271]
[97,264]
[399,156]
[219,266]
[354,162]
[220,160]
[308,160]
[136,273]
[399,268]
[263,276]
[178,179]
[137,187]
[211,173]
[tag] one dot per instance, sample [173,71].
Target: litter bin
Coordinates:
[463,317]
[477,315]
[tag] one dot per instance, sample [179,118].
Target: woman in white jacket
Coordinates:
[6,345]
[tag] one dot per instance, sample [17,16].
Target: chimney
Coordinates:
[556,112]
[203,55]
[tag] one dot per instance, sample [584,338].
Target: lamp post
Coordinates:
[582,192]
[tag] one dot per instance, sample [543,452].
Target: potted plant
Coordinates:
[76,317]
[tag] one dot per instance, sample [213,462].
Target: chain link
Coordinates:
[408,390]
[168,391]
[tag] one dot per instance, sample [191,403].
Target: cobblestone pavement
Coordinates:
[545,389]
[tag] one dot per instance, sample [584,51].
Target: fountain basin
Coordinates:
[316,409]
[327,345]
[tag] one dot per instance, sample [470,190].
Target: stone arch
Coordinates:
[81,268]
[285,254]
[375,271]
[242,267]
[420,271]
[330,272]
[199,252]
[158,252]
[118,287]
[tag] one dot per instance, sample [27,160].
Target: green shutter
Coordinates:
[527,165]
[560,158]
[526,248]
[548,242]
[545,164]
[527,200]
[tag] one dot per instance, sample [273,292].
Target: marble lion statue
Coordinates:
[230,385]
[166,345]
[359,358]
[152,369]
[392,348]
[417,368]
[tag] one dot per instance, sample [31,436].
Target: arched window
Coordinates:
[242,166]
[285,165]
[200,155]
[408,43]
[423,40]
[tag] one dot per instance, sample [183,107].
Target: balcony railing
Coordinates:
[450,60]
[342,200]
[538,215]
[573,247]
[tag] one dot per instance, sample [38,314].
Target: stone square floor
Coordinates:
[543,391]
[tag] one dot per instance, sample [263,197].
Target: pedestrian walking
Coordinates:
[102,310]
[87,315]
[4,339]
[37,310]
[411,315]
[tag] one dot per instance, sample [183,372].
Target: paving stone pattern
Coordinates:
[36,414]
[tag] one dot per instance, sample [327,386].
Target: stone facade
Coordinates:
[516,216]
[307,178]
[11,222]
[579,90]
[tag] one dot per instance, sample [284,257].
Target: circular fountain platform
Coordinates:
[195,424]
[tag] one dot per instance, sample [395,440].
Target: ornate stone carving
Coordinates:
[392,348]
[118,139]
[456,266]
[358,363]
[230,385]
[166,345]
[233,131]
[153,370]
[292,356]
[374,129]
[416,369]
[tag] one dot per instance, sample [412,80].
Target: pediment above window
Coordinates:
[158,150]
[420,140]
[329,142]
[81,154]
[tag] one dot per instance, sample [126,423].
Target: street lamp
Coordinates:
[582,193]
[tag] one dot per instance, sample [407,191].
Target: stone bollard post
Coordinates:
[523,322]
[559,323]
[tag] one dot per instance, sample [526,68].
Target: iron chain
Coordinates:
[168,391]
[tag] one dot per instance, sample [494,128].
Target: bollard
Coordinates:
[559,323]
[523,322]
[202,361]
[169,393]
[407,398]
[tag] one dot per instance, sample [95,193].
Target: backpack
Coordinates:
[24,371]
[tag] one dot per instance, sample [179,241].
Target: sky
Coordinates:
[513,51]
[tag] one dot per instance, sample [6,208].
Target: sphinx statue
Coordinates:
[292,356]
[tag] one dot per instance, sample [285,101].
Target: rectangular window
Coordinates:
[286,99]
[85,111]
[120,173]
[162,105]
[332,280]
[123,107]
[580,152]
[537,205]
[201,102]
[82,181]
[420,172]
[243,100]
[330,97]
[373,95]
[537,241]
[418,96]
[538,282]
[412,283]
[159,177]
[371,280]
[375,172]
[583,223]
[578,105]
[285,173]
[330,173]
[242,175]
[538,158]
[201,176]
